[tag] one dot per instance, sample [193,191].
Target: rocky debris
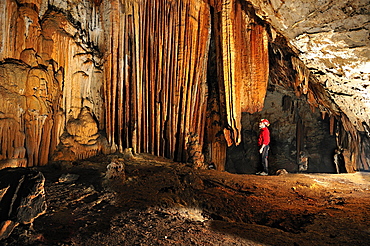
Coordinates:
[127,153]
[161,226]
[281,172]
[22,198]
[115,170]
[68,178]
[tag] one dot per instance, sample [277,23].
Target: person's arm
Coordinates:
[261,149]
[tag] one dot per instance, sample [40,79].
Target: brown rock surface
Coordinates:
[22,198]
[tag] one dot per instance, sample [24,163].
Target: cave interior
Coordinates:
[186,80]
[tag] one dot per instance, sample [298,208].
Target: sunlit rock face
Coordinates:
[174,78]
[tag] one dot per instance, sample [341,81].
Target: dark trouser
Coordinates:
[264,156]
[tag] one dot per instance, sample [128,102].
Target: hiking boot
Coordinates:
[264,174]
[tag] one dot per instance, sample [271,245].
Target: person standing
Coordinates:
[263,143]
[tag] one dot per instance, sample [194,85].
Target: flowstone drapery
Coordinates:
[171,78]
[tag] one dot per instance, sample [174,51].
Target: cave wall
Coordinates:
[131,71]
[171,78]
[295,131]
[48,80]
[289,72]
[331,38]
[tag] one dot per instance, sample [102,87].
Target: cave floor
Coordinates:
[159,202]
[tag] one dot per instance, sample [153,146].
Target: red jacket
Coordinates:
[264,137]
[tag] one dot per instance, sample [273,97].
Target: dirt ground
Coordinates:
[159,202]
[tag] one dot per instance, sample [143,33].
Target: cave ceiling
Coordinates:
[81,77]
[332,39]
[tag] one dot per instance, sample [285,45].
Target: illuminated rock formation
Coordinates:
[174,78]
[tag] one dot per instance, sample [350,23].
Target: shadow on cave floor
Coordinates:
[237,162]
[160,202]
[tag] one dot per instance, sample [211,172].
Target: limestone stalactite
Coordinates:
[89,76]
[243,46]
[155,88]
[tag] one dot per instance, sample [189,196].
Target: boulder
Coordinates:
[22,198]
[116,170]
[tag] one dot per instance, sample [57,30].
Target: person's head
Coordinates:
[264,123]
